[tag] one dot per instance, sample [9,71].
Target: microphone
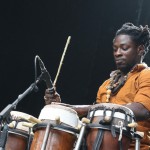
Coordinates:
[46,76]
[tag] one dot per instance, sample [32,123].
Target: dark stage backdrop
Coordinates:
[35,27]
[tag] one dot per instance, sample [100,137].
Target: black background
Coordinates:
[35,27]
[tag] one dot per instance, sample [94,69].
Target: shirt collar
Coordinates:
[139,67]
[136,68]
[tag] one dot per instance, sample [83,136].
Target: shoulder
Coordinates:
[145,72]
[144,75]
[106,82]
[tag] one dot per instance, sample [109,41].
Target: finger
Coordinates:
[47,91]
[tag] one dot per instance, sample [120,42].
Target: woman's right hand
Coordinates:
[49,98]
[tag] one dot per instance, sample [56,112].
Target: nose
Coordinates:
[117,52]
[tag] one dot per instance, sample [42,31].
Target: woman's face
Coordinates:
[126,52]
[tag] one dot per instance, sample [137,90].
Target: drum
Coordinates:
[109,127]
[63,131]
[19,136]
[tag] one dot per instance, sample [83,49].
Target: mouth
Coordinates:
[119,61]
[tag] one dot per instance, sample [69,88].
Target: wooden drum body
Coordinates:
[18,135]
[17,140]
[109,129]
[63,131]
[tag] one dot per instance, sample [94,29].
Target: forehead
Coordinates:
[123,39]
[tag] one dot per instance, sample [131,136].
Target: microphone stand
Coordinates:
[5,113]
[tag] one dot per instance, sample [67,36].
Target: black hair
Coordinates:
[140,35]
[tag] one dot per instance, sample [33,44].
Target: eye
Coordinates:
[115,48]
[125,47]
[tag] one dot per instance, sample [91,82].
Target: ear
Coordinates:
[140,50]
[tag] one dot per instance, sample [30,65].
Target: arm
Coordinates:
[141,104]
[139,110]
[81,110]
[49,98]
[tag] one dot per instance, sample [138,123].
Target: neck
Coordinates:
[125,71]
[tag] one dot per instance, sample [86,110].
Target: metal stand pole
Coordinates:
[46,136]
[81,134]
[3,137]
[5,113]
[137,143]
[78,144]
[138,136]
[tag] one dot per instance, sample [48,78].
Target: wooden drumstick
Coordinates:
[34,120]
[61,61]
[133,125]
[31,119]
[27,124]
[20,115]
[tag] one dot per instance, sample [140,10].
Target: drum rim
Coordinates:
[119,115]
[59,106]
[66,115]
[110,105]
[55,126]
[18,132]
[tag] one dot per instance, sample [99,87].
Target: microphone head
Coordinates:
[45,75]
[42,66]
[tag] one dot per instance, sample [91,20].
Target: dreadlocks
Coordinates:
[140,35]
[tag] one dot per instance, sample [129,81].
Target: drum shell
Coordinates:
[58,140]
[16,140]
[19,136]
[108,142]
[67,115]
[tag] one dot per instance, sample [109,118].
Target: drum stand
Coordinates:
[81,134]
[3,137]
[137,143]
[46,136]
[48,127]
[5,113]
[138,136]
